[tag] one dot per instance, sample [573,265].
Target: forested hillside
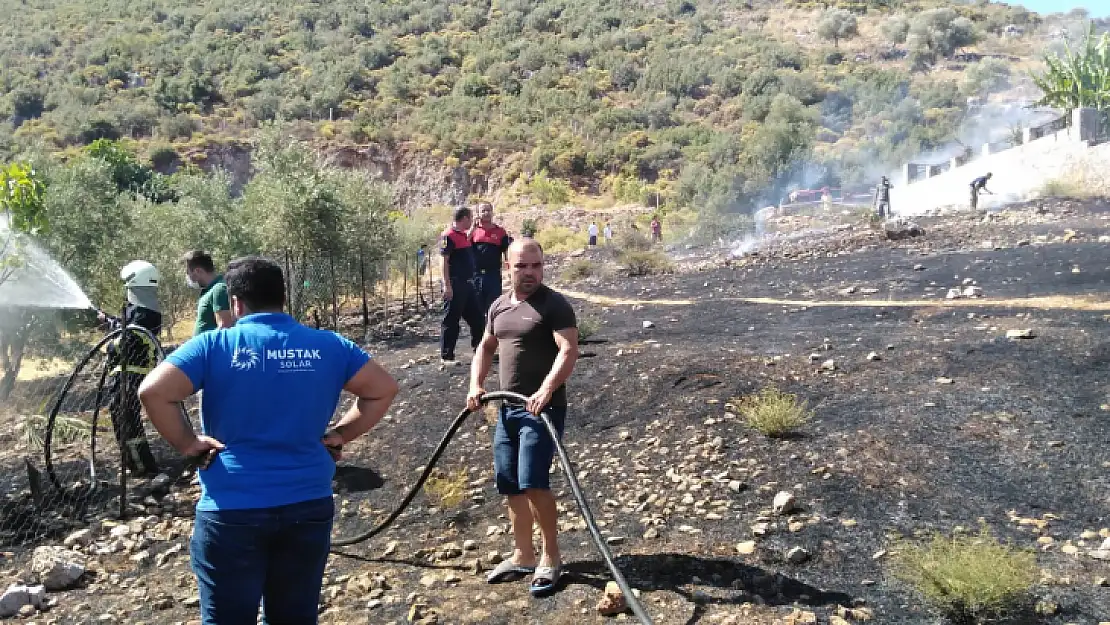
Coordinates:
[712,104]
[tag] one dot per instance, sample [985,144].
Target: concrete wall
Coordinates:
[1018,173]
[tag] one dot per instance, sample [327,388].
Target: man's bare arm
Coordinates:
[161,394]
[567,340]
[479,369]
[375,390]
[224,319]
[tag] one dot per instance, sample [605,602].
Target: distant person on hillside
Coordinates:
[608,232]
[271,387]
[882,198]
[537,334]
[460,301]
[213,306]
[592,231]
[656,230]
[132,356]
[977,185]
[422,259]
[491,246]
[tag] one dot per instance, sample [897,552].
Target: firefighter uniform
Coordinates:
[132,356]
[490,245]
[882,198]
[455,245]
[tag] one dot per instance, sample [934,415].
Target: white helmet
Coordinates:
[139,273]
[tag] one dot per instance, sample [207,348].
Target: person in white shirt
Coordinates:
[608,233]
[592,231]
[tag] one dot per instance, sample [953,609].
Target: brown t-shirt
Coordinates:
[525,339]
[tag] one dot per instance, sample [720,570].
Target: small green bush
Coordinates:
[630,240]
[773,412]
[588,326]
[529,228]
[579,269]
[646,263]
[969,578]
[549,190]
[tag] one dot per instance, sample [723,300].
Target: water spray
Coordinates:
[564,461]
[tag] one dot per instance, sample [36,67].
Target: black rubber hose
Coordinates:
[52,418]
[576,489]
[49,434]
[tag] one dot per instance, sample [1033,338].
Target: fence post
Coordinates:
[288,283]
[404,284]
[385,292]
[334,293]
[362,288]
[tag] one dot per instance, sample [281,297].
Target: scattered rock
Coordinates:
[784,503]
[79,538]
[470,545]
[898,229]
[854,614]
[746,548]
[874,356]
[57,568]
[943,380]
[1047,608]
[648,325]
[953,294]
[613,601]
[614,540]
[919,267]
[848,291]
[797,555]
[1020,334]
[828,365]
[18,597]
[972,291]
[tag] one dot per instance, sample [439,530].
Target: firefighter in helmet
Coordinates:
[131,357]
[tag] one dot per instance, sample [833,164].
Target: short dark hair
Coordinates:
[257,282]
[199,259]
[462,212]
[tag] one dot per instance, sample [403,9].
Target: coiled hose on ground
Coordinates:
[564,460]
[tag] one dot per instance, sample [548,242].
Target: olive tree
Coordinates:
[837,24]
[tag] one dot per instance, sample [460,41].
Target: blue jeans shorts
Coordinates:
[522,448]
[273,556]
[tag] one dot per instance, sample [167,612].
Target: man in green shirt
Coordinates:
[214,306]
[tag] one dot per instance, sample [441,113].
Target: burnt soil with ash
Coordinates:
[955,425]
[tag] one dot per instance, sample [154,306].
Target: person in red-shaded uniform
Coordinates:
[491,246]
[460,301]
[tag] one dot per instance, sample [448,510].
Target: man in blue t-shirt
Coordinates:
[271,386]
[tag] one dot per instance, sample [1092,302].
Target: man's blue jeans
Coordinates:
[275,556]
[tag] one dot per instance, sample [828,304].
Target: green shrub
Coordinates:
[646,263]
[588,326]
[630,240]
[549,190]
[560,239]
[579,269]
[969,578]
[529,227]
[773,413]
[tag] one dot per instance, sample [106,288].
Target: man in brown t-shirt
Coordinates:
[536,330]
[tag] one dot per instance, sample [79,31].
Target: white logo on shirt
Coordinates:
[244,359]
[293,359]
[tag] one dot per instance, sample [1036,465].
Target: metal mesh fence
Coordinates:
[67,419]
[61,401]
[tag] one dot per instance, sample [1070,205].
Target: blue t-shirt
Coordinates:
[271,386]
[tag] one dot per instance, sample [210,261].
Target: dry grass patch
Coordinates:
[969,578]
[447,488]
[774,413]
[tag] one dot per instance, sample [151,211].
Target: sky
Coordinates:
[1097,8]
